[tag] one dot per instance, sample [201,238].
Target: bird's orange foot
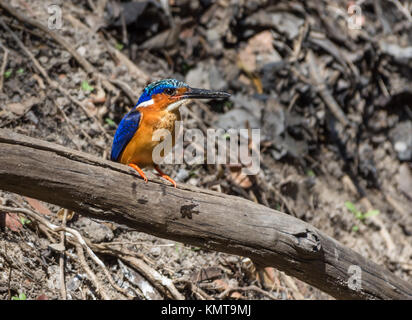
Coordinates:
[165,176]
[140,171]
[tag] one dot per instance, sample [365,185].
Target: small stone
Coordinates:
[74,283]
[43,59]
[182,175]
[81,51]
[155,251]
[400,146]
[97,232]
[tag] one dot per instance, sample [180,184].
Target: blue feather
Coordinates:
[124,133]
[130,122]
[158,87]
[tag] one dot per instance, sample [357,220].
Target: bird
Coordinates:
[157,108]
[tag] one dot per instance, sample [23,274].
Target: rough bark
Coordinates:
[106,190]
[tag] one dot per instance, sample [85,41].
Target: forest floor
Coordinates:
[333,102]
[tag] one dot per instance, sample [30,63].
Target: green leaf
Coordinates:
[21,296]
[20,71]
[360,216]
[226,136]
[119,46]
[371,213]
[86,86]
[8,73]
[228,104]
[110,122]
[24,221]
[185,68]
[351,207]
[355,228]
[310,173]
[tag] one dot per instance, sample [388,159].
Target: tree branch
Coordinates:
[106,190]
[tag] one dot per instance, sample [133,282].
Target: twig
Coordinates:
[124,28]
[10,265]
[126,89]
[3,65]
[324,93]
[52,83]
[71,126]
[195,289]
[390,245]
[91,5]
[134,70]
[62,258]
[101,4]
[23,47]
[402,9]
[292,284]
[140,263]
[229,290]
[144,289]
[159,281]
[60,40]
[72,233]
[298,43]
[90,273]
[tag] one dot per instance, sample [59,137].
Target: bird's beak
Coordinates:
[194,93]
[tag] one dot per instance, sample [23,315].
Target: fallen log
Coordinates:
[106,190]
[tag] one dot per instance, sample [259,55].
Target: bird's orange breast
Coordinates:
[140,148]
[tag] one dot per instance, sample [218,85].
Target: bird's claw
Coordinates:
[141,173]
[165,176]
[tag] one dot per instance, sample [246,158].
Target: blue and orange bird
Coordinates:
[157,108]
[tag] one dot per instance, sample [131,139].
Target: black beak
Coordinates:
[194,93]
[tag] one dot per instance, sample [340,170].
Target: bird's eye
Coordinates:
[170,91]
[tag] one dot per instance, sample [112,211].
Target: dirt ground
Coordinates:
[333,102]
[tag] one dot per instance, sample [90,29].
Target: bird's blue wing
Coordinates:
[124,133]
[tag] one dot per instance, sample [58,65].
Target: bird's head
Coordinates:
[171,94]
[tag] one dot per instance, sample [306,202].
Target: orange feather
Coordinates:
[153,117]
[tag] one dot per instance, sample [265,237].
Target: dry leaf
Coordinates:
[11,221]
[220,284]
[404,180]
[59,247]
[99,97]
[268,277]
[69,216]
[20,108]
[239,178]
[236,295]
[38,206]
[91,108]
[209,273]
[259,50]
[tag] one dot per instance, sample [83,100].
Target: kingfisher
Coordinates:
[157,108]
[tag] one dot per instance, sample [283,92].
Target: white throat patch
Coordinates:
[176,105]
[146,103]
